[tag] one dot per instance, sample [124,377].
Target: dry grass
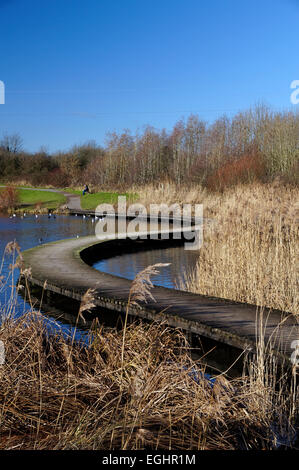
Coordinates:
[140,388]
[250,254]
[169,193]
[56,394]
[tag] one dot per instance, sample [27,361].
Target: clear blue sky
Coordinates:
[74,69]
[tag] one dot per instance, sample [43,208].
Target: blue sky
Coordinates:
[75,69]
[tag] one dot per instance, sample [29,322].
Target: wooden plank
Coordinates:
[226,321]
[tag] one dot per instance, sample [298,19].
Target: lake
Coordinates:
[30,231]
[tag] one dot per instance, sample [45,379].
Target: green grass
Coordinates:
[91,201]
[71,190]
[46,199]
[52,200]
[16,185]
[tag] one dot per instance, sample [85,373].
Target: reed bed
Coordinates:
[57,394]
[137,388]
[140,388]
[250,252]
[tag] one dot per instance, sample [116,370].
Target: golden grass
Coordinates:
[56,394]
[139,388]
[250,253]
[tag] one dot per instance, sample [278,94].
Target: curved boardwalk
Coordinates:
[234,324]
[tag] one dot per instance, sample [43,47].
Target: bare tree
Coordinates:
[12,143]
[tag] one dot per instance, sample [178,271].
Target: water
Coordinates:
[128,265]
[29,232]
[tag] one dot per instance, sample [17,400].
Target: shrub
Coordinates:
[58,178]
[9,198]
[246,169]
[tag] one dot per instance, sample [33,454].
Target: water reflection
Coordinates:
[28,232]
[128,265]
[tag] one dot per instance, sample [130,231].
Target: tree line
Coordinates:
[258,144]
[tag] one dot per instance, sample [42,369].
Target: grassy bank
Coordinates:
[91,201]
[30,199]
[44,199]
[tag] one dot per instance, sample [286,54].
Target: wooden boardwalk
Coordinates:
[231,323]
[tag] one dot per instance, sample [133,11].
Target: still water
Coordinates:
[30,231]
[128,265]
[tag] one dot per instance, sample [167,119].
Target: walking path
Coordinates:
[232,323]
[61,265]
[73,200]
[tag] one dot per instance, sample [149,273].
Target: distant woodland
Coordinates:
[259,144]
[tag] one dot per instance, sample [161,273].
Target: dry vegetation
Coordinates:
[255,145]
[137,388]
[56,394]
[140,388]
[8,198]
[250,253]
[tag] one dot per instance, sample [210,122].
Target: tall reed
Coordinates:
[138,390]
